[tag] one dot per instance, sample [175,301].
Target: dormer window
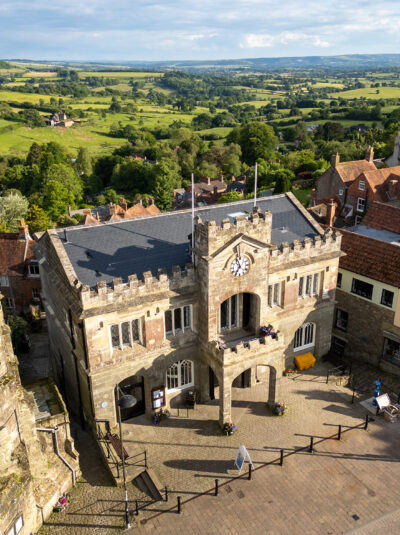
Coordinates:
[361,185]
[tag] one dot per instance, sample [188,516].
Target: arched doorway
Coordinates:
[239,313]
[134,386]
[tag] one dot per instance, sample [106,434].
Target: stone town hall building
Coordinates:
[126,306]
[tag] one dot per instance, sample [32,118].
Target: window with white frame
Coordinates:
[34,268]
[4,281]
[309,285]
[304,337]
[274,294]
[340,192]
[16,526]
[360,204]
[361,185]
[228,313]
[178,320]
[180,375]
[35,294]
[126,334]
[357,220]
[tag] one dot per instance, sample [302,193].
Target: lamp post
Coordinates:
[124,402]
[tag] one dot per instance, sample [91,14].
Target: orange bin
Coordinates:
[305,361]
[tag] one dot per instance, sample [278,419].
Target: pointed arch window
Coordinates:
[180,375]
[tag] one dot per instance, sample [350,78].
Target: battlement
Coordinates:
[231,354]
[209,236]
[135,288]
[308,248]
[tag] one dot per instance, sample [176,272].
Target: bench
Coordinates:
[115,441]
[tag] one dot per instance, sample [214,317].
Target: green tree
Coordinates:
[230,196]
[37,219]
[282,181]
[56,198]
[257,140]
[13,207]
[84,162]
[34,154]
[65,175]
[32,118]
[166,179]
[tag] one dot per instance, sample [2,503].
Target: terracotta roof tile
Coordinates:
[12,252]
[383,216]
[152,209]
[372,258]
[349,171]
[137,210]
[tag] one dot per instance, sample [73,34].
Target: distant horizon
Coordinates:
[158,31]
[173,60]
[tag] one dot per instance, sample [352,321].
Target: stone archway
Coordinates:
[253,375]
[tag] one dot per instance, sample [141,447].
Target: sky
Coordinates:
[137,30]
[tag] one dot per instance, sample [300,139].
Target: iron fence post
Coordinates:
[366,422]
[166,493]
[250,472]
[339,435]
[179,504]
[281,459]
[311,449]
[216,487]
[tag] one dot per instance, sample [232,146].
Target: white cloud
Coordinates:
[284,38]
[253,40]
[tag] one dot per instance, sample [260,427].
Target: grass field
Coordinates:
[16,96]
[369,93]
[119,74]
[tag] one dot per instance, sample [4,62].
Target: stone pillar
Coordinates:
[203,382]
[225,400]
[272,390]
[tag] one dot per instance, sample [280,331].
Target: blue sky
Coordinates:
[189,29]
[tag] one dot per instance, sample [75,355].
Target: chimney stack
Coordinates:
[392,185]
[330,212]
[112,208]
[233,179]
[335,159]
[69,209]
[23,231]
[123,204]
[369,155]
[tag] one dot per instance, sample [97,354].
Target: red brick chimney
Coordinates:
[369,155]
[23,231]
[205,180]
[335,159]
[330,212]
[123,204]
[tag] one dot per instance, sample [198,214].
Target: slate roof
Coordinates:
[133,246]
[372,258]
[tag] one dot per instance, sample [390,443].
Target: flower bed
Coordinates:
[280,408]
[229,428]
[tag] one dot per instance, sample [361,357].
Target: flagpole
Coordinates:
[255,185]
[192,217]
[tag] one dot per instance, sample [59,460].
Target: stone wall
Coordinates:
[31,475]
[365,329]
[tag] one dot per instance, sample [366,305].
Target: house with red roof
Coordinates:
[19,271]
[367,315]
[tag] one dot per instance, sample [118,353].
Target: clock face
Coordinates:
[240,266]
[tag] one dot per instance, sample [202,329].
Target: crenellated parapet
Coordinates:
[309,248]
[245,349]
[209,236]
[138,289]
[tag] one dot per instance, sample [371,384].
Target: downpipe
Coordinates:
[54,431]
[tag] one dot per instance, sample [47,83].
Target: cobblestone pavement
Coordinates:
[344,487]
[188,452]
[316,493]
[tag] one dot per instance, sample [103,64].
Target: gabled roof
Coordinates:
[372,258]
[382,216]
[14,253]
[377,179]
[349,171]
